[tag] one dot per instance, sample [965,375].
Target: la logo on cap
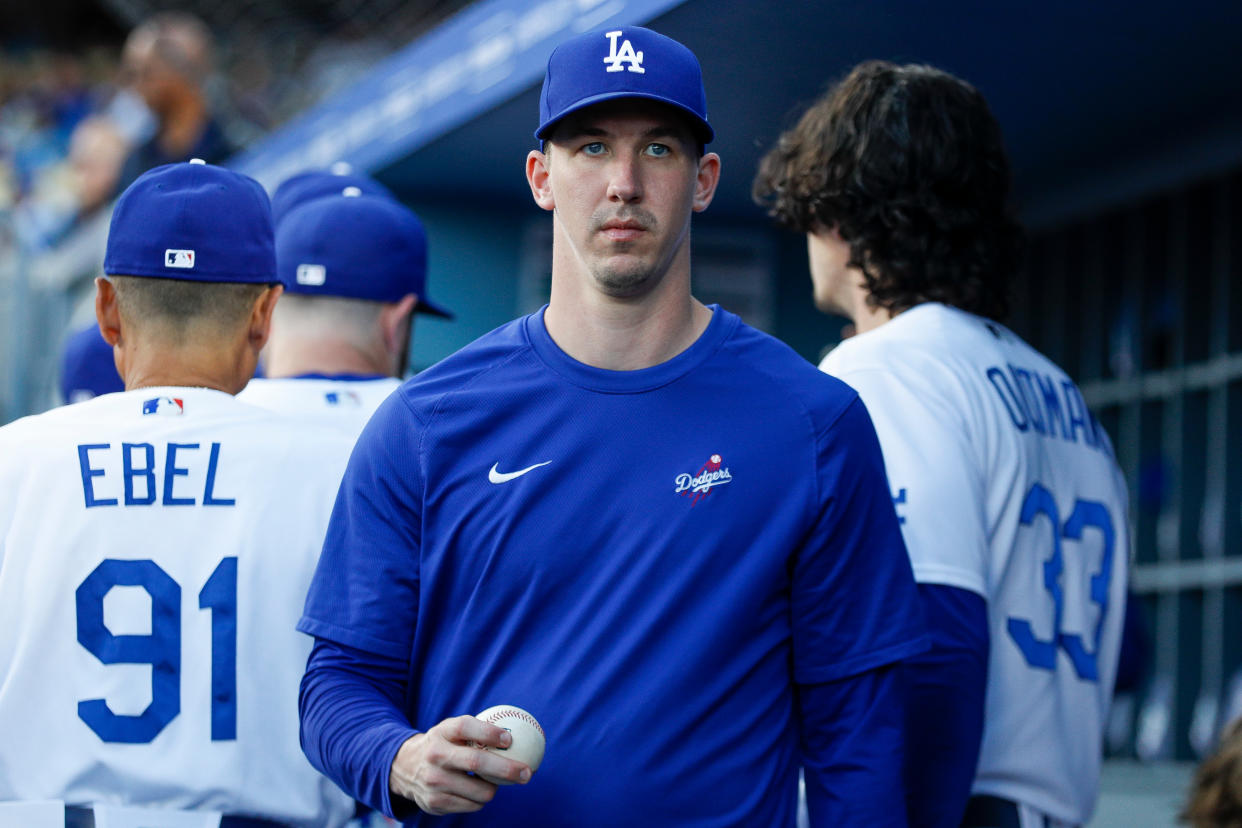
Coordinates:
[183,259]
[625,55]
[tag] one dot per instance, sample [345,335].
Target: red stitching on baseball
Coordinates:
[506,712]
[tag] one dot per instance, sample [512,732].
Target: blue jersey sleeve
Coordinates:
[365,590]
[946,687]
[352,726]
[852,749]
[855,605]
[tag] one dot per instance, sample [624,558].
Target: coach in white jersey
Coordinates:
[354,268]
[156,544]
[1012,505]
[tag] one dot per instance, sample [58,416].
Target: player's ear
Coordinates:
[539,179]
[705,183]
[260,324]
[394,322]
[107,312]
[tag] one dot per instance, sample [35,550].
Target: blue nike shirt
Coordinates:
[648,561]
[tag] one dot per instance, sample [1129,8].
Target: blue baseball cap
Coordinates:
[312,184]
[192,221]
[354,246]
[622,62]
[87,368]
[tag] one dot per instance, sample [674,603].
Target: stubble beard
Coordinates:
[622,282]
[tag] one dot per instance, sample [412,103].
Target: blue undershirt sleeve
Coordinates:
[852,746]
[350,706]
[944,712]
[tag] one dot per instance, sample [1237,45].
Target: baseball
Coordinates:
[528,740]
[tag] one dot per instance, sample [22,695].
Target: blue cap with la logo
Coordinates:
[622,62]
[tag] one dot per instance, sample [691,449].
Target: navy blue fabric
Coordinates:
[312,184]
[1135,656]
[354,246]
[194,222]
[580,74]
[87,368]
[516,527]
[946,689]
[852,735]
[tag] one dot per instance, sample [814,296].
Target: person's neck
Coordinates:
[183,126]
[227,376]
[298,358]
[624,334]
[866,316]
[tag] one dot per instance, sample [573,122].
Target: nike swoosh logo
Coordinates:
[495,476]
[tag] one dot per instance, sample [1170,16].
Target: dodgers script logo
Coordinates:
[699,485]
[625,55]
[164,405]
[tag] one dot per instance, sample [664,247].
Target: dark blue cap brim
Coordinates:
[431,308]
[703,130]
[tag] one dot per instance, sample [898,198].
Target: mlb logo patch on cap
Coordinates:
[312,274]
[179,258]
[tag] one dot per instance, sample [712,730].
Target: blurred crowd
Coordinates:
[76,127]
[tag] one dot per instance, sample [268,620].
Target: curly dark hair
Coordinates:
[1215,799]
[908,164]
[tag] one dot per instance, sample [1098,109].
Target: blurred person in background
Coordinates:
[167,61]
[97,151]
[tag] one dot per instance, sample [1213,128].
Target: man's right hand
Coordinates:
[433,769]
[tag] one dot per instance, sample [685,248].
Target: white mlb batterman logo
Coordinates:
[625,55]
[312,274]
[179,258]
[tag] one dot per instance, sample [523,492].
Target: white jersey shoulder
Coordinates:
[155,551]
[341,403]
[1006,485]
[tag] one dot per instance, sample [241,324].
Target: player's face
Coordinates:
[148,73]
[833,280]
[623,179]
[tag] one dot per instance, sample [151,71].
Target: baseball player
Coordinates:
[656,529]
[354,268]
[156,544]
[87,368]
[1012,505]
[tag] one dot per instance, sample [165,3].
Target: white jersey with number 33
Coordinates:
[155,550]
[1007,486]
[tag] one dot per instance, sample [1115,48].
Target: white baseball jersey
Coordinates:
[1007,486]
[155,550]
[342,403]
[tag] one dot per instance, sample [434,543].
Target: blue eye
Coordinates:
[594,148]
[658,150]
